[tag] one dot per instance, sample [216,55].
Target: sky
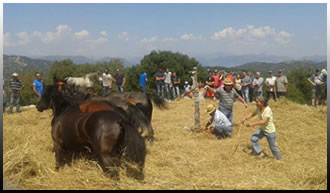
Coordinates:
[133,30]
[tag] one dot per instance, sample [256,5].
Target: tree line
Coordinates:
[299,89]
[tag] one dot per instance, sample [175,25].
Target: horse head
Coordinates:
[46,100]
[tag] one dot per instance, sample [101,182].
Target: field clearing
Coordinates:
[180,159]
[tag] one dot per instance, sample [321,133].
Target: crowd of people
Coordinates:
[225,87]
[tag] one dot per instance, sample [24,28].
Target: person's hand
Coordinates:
[245,105]
[242,121]
[248,125]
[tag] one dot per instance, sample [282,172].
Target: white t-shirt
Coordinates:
[168,77]
[220,119]
[270,127]
[270,81]
[106,79]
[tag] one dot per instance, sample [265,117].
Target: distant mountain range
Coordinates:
[12,63]
[264,67]
[20,64]
[237,60]
[82,59]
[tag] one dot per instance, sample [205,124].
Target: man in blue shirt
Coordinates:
[38,86]
[143,82]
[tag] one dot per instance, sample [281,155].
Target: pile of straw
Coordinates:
[179,158]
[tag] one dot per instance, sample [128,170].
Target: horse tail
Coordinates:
[159,102]
[138,117]
[133,144]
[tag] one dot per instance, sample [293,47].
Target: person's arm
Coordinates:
[258,123]
[35,91]
[242,101]
[248,117]
[208,124]
[113,79]
[110,86]
[309,80]
[210,89]
[123,84]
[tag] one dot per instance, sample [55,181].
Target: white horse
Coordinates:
[86,82]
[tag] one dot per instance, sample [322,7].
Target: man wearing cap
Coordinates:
[316,81]
[15,89]
[38,86]
[227,97]
[270,86]
[210,82]
[219,125]
[281,84]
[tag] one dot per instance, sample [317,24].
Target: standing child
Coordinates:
[267,128]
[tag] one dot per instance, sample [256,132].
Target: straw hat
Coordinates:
[15,74]
[228,81]
[210,109]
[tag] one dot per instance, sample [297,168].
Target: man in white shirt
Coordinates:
[168,83]
[270,84]
[219,124]
[107,83]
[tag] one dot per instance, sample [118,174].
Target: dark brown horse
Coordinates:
[107,133]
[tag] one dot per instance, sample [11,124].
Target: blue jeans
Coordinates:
[176,92]
[14,100]
[168,90]
[106,90]
[228,113]
[271,137]
[222,130]
[245,93]
[120,88]
[160,90]
[143,89]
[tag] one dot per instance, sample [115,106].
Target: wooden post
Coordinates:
[196,96]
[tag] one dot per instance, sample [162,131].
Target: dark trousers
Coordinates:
[270,93]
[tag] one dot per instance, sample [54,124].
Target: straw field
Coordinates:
[179,158]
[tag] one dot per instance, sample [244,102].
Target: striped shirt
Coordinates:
[227,99]
[15,85]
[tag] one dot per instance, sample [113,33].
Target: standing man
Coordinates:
[143,82]
[251,89]
[119,80]
[107,83]
[257,85]
[316,81]
[324,78]
[176,83]
[160,77]
[38,86]
[210,82]
[227,97]
[281,84]
[168,83]
[270,84]
[216,78]
[246,81]
[15,89]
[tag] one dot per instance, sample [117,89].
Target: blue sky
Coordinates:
[133,30]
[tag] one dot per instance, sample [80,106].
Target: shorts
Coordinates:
[316,92]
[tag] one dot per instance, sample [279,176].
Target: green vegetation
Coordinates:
[297,72]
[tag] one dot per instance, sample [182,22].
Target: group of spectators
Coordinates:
[250,87]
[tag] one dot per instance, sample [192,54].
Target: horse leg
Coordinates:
[59,156]
[110,165]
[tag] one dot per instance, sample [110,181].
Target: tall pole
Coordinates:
[196,96]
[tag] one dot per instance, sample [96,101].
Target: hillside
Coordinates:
[180,159]
[19,64]
[286,66]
